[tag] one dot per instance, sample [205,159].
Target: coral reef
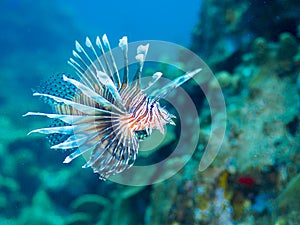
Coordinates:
[254,179]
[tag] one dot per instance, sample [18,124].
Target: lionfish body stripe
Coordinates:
[105,115]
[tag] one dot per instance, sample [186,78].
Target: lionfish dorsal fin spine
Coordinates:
[155,77]
[136,80]
[92,94]
[142,51]
[116,71]
[81,73]
[79,70]
[80,49]
[85,69]
[160,93]
[89,44]
[100,46]
[109,84]
[123,44]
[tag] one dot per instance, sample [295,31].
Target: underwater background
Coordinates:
[253,49]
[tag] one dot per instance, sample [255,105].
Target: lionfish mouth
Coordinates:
[100,113]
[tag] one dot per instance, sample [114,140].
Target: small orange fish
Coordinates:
[102,114]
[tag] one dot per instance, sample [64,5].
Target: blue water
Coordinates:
[39,35]
[163,20]
[140,20]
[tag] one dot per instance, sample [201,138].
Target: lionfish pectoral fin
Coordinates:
[52,130]
[69,119]
[89,110]
[92,94]
[79,151]
[73,141]
[109,84]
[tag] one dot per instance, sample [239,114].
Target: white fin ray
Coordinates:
[98,154]
[99,45]
[107,45]
[80,107]
[105,80]
[80,71]
[123,44]
[85,69]
[89,44]
[114,167]
[92,94]
[71,119]
[80,49]
[142,51]
[155,77]
[74,141]
[94,157]
[160,93]
[54,130]
[80,151]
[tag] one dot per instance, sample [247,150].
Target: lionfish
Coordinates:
[100,113]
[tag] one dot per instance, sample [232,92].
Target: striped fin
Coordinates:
[80,107]
[114,153]
[123,44]
[97,153]
[75,140]
[93,95]
[52,130]
[80,151]
[56,138]
[108,83]
[160,93]
[71,119]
